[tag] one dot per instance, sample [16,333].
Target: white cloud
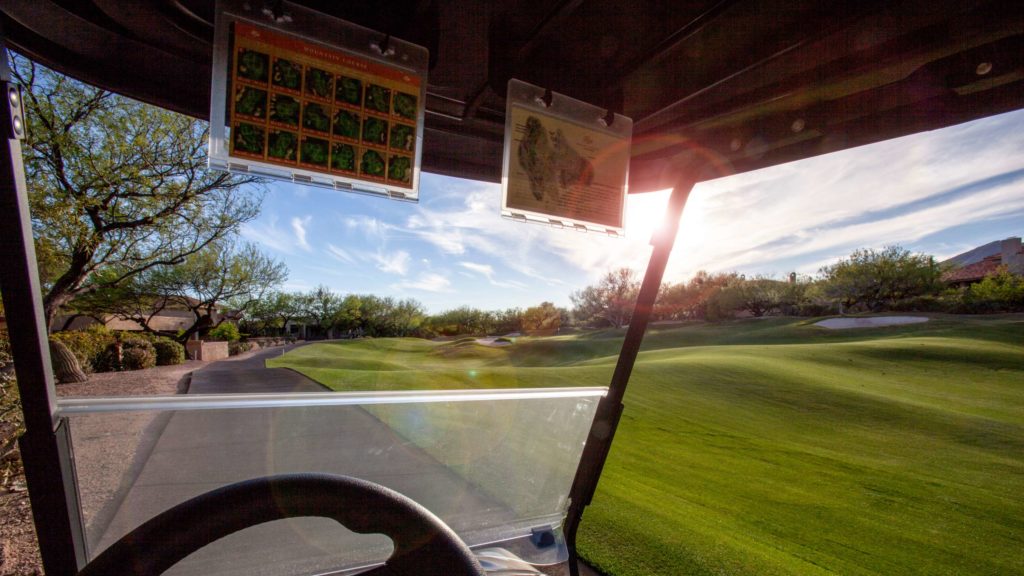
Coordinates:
[483,269]
[367,226]
[299,226]
[487,271]
[428,282]
[395,263]
[340,254]
[474,225]
[267,234]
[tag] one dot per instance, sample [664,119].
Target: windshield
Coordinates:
[495,467]
[272,327]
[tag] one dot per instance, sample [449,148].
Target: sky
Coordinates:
[939,193]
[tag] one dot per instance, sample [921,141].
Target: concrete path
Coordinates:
[204,449]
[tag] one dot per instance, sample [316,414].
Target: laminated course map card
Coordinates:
[564,163]
[320,114]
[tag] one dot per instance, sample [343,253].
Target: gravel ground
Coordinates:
[102,467]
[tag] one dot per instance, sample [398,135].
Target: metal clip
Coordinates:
[17,129]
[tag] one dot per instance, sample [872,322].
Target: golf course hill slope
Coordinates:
[771,446]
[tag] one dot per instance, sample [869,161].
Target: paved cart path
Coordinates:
[249,374]
[204,449]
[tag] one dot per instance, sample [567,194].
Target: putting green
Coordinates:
[772,446]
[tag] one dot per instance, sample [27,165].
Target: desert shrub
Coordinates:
[236,348]
[137,354]
[88,346]
[12,423]
[225,331]
[109,360]
[168,352]
[814,309]
[926,303]
[1003,291]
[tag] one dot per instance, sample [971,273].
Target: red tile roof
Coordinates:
[976,271]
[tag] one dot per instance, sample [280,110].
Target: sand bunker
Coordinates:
[493,341]
[872,322]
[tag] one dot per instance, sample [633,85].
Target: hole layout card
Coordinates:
[288,105]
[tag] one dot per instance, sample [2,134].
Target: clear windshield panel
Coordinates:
[496,466]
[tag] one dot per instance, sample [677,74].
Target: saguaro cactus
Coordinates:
[65,365]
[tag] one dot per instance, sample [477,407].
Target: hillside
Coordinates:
[773,446]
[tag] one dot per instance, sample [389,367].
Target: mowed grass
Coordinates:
[773,446]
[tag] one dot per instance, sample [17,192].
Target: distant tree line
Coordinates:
[890,279]
[326,314]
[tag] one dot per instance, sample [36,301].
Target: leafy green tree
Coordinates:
[609,302]
[463,320]
[408,317]
[225,332]
[272,312]
[689,300]
[385,316]
[203,284]
[355,312]
[758,296]
[873,279]
[1002,291]
[508,321]
[117,186]
[543,317]
[321,306]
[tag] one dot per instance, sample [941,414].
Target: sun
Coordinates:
[645,213]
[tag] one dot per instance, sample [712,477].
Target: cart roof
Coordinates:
[742,84]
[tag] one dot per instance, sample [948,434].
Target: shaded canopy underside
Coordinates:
[735,84]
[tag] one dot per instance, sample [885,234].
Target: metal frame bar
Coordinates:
[609,410]
[81,406]
[45,447]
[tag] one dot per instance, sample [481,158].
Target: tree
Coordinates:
[207,280]
[117,185]
[1001,291]
[273,311]
[543,317]
[690,299]
[758,296]
[876,279]
[462,321]
[508,321]
[321,307]
[610,301]
[406,317]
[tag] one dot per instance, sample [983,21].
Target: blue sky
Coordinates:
[940,193]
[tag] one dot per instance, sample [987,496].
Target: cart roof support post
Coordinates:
[606,420]
[45,447]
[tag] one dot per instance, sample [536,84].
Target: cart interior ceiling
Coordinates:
[737,84]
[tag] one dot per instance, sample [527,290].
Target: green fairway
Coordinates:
[772,446]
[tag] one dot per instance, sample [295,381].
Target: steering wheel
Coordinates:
[423,543]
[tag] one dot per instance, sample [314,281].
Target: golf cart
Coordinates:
[486,481]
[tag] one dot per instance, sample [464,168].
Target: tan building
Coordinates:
[169,319]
